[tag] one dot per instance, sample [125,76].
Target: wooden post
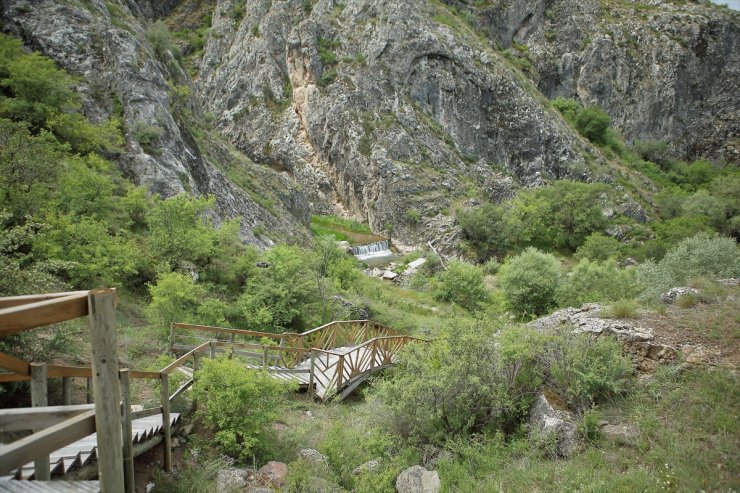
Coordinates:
[233,336]
[102,320]
[128,434]
[39,398]
[213,349]
[311,382]
[88,394]
[265,350]
[172,338]
[340,370]
[196,362]
[67,391]
[167,440]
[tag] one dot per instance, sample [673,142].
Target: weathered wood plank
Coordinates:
[26,449]
[11,301]
[29,316]
[14,364]
[28,418]
[102,321]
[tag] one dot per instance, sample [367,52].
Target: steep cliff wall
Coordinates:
[168,147]
[662,70]
[379,108]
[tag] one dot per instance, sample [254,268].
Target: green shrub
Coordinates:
[702,255]
[462,284]
[413,216]
[621,309]
[240,404]
[175,297]
[531,282]
[491,266]
[653,151]
[585,370]
[599,281]
[593,123]
[598,246]
[465,382]
[569,108]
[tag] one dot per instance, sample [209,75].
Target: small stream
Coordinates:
[375,254]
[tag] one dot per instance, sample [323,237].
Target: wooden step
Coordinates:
[49,487]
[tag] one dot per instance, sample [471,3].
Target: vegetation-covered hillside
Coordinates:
[462,404]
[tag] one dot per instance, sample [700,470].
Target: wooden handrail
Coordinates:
[226,330]
[29,316]
[11,301]
[25,450]
[182,359]
[38,418]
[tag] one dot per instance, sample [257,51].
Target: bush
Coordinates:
[593,123]
[465,382]
[599,281]
[598,247]
[702,255]
[239,403]
[487,229]
[462,283]
[530,282]
[585,370]
[175,298]
[621,309]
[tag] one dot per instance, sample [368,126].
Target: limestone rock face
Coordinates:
[376,109]
[122,75]
[662,71]
[416,479]
[549,417]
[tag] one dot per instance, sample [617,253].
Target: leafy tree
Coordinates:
[175,298]
[598,247]
[561,215]
[701,203]
[29,168]
[93,257]
[462,284]
[240,404]
[488,230]
[530,282]
[604,281]
[593,123]
[178,230]
[284,294]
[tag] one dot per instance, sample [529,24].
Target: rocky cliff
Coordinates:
[169,147]
[395,112]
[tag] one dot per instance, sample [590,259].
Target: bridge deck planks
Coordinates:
[49,487]
[83,451]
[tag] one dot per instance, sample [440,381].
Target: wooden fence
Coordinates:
[108,386]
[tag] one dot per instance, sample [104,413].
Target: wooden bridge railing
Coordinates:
[57,426]
[345,367]
[291,348]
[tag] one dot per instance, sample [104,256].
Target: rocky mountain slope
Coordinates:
[394,112]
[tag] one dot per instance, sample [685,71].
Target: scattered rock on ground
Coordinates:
[733,281]
[638,341]
[620,433]
[670,296]
[431,456]
[416,479]
[312,455]
[273,473]
[258,489]
[370,466]
[549,415]
[389,275]
[231,479]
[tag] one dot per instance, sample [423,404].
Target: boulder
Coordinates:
[273,473]
[389,275]
[586,319]
[312,455]
[370,466]
[416,479]
[549,416]
[232,479]
[670,296]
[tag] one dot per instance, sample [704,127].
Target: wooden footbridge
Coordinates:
[101,437]
[329,361]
